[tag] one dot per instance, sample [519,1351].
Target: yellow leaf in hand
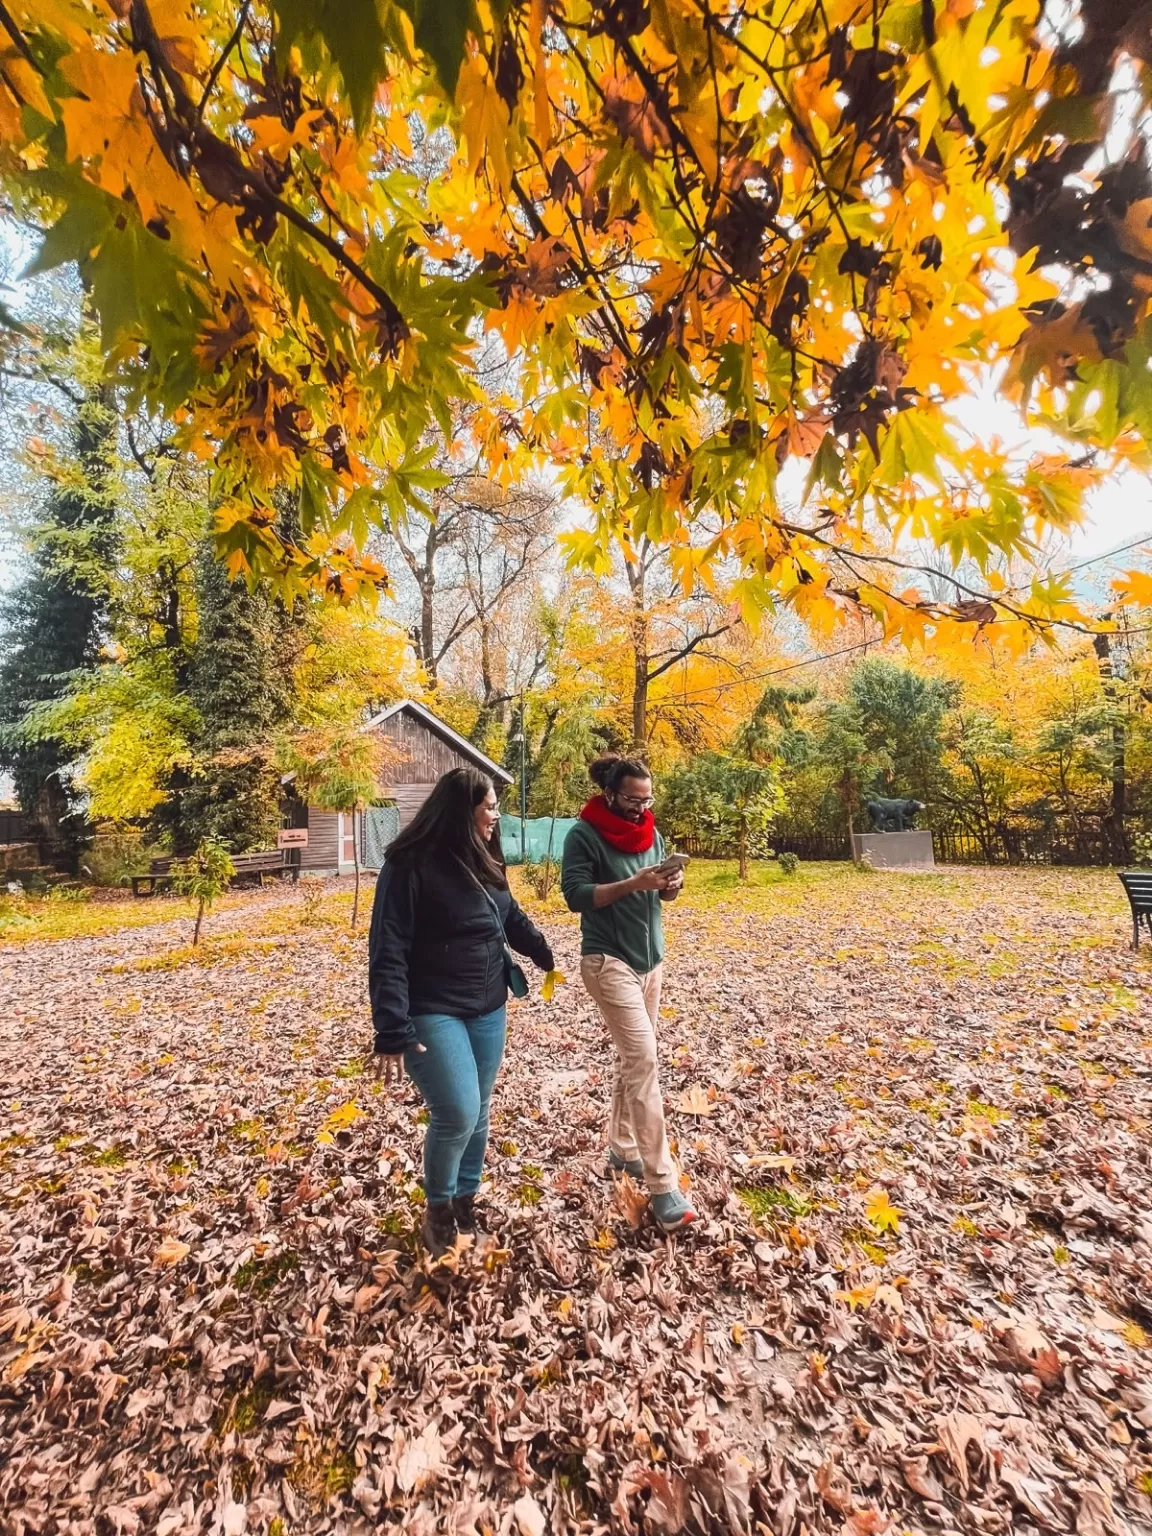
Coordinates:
[553,980]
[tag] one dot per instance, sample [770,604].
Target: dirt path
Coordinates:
[917,1115]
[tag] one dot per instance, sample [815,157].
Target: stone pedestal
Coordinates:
[893,850]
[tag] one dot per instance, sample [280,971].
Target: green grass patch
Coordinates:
[246,1410]
[262,1276]
[768,1202]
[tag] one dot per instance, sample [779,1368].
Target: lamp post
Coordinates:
[522,737]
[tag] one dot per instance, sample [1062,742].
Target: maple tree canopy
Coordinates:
[712,236]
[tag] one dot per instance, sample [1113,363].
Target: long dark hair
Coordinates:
[445,825]
[611,770]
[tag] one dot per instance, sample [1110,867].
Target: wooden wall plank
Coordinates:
[323,851]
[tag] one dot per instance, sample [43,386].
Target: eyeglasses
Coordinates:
[638,802]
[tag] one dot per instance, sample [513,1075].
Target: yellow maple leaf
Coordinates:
[553,980]
[858,1296]
[1134,587]
[881,1213]
[484,120]
[343,1119]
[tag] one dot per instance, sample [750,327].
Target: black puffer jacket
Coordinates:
[434,947]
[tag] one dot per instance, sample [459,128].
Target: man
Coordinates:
[613,877]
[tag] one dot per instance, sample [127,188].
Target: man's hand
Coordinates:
[387,1069]
[651,879]
[673,886]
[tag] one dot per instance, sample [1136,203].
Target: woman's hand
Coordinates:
[387,1068]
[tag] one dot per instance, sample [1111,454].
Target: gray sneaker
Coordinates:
[672,1211]
[633,1167]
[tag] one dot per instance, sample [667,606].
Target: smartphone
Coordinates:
[675,861]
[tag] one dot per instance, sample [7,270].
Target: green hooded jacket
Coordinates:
[631,929]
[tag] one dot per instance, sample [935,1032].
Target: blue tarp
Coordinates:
[540,832]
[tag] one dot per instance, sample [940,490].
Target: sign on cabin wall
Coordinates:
[292,837]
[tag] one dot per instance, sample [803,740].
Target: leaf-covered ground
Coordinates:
[917,1116]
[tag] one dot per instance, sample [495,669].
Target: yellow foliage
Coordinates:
[719,242]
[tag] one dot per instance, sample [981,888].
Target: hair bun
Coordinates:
[601,770]
[610,771]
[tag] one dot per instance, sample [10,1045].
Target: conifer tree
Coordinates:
[52,625]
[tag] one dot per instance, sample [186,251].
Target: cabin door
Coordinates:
[345,830]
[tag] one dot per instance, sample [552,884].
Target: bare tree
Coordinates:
[474,552]
[664,626]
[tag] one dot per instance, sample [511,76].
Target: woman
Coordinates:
[438,974]
[612,877]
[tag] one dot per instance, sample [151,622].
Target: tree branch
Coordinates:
[223,59]
[686,650]
[43,378]
[201,140]
[19,41]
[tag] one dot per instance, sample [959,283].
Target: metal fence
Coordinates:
[1085,846]
[13,827]
[813,846]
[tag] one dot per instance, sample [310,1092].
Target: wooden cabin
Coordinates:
[425,749]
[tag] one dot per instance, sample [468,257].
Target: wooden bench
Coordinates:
[1138,884]
[251,869]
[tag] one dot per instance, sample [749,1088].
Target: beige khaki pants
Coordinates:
[630,1005]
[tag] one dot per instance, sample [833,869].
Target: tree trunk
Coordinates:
[1118,797]
[199,920]
[549,867]
[52,813]
[428,631]
[743,850]
[640,704]
[641,663]
[356,868]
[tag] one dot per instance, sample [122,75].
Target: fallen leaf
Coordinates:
[695,1101]
[880,1212]
[1032,1494]
[956,1431]
[1032,1350]
[420,1461]
[1094,1516]
[630,1200]
[171,1251]
[365,1298]
[529,1516]
[920,1478]
[234,1521]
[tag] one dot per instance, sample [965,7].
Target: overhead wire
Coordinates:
[863,645]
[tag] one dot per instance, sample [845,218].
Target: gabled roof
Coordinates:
[445,732]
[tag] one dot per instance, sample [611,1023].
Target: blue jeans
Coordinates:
[455,1073]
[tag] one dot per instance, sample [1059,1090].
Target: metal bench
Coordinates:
[1138,884]
[251,869]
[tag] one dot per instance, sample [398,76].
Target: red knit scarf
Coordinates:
[623,835]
